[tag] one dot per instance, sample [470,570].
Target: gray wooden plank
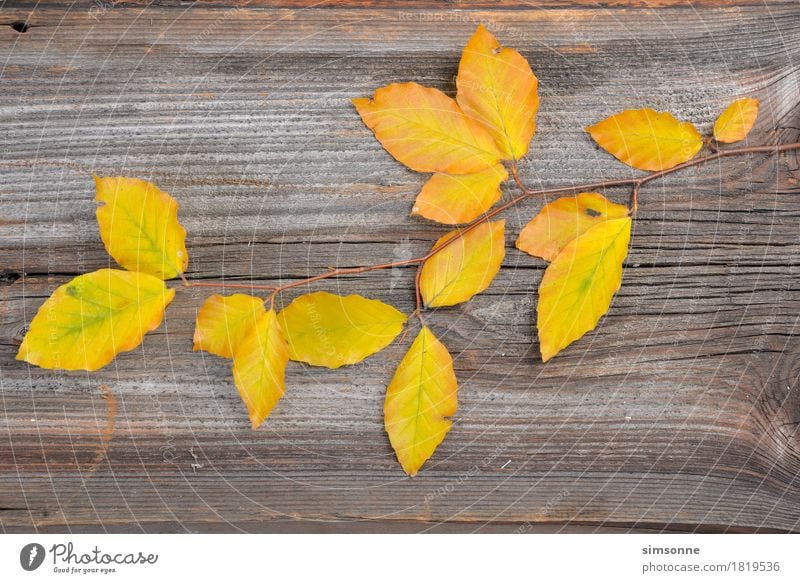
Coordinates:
[679,412]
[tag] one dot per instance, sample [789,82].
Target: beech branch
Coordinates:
[634,183]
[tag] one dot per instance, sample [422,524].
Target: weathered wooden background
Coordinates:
[681,412]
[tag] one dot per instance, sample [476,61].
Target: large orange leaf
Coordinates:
[578,285]
[459,198]
[94,317]
[646,139]
[736,121]
[259,367]
[426,130]
[497,87]
[419,400]
[465,267]
[223,322]
[562,220]
[139,226]
[328,330]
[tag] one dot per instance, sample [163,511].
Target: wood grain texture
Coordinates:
[442,6]
[679,413]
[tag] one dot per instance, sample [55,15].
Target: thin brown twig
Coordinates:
[224,284]
[635,183]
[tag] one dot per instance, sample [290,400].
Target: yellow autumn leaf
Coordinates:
[139,226]
[497,87]
[465,267]
[224,321]
[426,130]
[259,367]
[578,285]
[419,400]
[646,139]
[562,220]
[459,198]
[94,317]
[328,330]
[736,121]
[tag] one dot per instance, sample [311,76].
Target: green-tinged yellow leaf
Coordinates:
[578,285]
[259,367]
[459,198]
[646,139]
[426,130]
[328,330]
[736,121]
[497,87]
[562,220]
[224,321]
[94,317]
[465,267]
[139,226]
[419,400]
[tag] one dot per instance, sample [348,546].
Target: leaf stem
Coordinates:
[635,197]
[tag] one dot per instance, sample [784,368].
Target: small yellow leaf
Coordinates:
[259,367]
[578,285]
[498,88]
[94,317]
[459,198]
[736,121]
[426,130]
[562,220]
[646,139]
[465,267]
[223,322]
[419,400]
[328,330]
[139,226]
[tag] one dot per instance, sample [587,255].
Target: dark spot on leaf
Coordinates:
[593,213]
[73,290]
[20,26]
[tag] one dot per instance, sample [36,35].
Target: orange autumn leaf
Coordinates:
[736,121]
[497,87]
[562,220]
[94,317]
[578,286]
[139,226]
[464,267]
[419,401]
[646,139]
[459,198]
[224,321]
[426,130]
[259,367]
